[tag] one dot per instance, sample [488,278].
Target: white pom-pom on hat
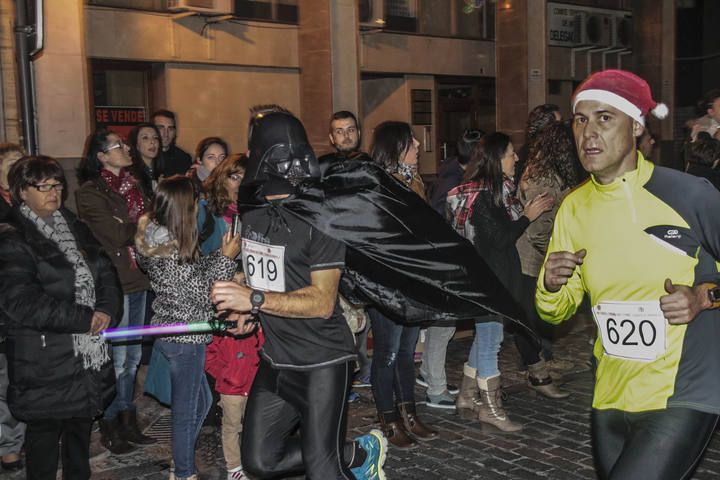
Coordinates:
[660,111]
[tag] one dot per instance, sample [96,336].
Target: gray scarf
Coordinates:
[94,350]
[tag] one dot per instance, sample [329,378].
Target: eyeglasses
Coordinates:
[236,176]
[114,146]
[46,187]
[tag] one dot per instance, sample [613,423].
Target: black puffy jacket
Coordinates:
[37,305]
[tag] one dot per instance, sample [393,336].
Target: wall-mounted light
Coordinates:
[506,5]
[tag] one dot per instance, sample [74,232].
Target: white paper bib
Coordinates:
[264,266]
[632,330]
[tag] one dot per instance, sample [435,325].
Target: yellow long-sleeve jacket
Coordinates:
[650,224]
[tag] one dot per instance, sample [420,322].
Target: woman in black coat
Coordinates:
[59,291]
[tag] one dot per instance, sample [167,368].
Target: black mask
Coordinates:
[279,151]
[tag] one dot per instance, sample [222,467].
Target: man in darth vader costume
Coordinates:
[300,234]
[292,271]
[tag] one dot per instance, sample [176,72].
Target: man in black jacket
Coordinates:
[172,160]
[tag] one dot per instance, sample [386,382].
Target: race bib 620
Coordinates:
[632,330]
[264,266]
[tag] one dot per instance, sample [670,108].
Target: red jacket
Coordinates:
[233,362]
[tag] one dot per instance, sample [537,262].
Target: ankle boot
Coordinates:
[130,431]
[491,411]
[467,400]
[539,379]
[413,424]
[395,432]
[110,437]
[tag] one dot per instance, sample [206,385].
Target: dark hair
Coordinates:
[539,118]
[707,100]
[205,144]
[466,143]
[705,150]
[486,164]
[90,165]
[174,209]
[390,142]
[344,115]
[214,187]
[163,113]
[138,169]
[554,153]
[31,170]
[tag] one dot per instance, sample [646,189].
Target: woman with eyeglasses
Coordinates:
[110,201]
[144,142]
[210,153]
[59,291]
[219,205]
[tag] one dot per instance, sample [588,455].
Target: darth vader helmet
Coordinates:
[279,152]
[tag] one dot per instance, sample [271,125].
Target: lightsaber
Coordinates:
[171,329]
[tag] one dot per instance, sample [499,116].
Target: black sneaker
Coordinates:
[452,389]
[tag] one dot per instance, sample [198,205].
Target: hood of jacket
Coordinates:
[153,240]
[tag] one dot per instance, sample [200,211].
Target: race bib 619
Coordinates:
[264,266]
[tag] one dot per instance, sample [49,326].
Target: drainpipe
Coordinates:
[23,31]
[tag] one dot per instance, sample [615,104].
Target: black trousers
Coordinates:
[660,444]
[295,423]
[42,439]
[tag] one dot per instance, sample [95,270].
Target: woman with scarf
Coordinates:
[59,291]
[493,223]
[110,201]
[392,373]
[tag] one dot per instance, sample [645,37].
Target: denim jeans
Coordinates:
[485,348]
[191,399]
[433,360]
[393,366]
[126,356]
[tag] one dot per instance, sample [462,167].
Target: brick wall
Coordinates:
[9,114]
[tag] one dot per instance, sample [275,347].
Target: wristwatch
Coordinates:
[714,295]
[257,298]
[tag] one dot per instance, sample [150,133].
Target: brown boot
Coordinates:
[395,432]
[539,379]
[467,400]
[110,437]
[491,411]
[413,424]
[130,431]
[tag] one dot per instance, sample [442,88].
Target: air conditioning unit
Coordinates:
[622,31]
[594,29]
[372,14]
[212,7]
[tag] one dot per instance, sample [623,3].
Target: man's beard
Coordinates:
[347,148]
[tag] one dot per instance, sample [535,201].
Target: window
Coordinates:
[282,11]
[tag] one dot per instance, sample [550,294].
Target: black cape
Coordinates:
[402,256]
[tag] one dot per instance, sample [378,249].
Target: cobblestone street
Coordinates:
[555,442]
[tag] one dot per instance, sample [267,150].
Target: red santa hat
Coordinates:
[623,90]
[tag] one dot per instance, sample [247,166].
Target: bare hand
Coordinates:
[100,321]
[231,296]
[244,327]
[682,303]
[231,245]
[559,267]
[538,205]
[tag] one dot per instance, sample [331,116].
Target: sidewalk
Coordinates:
[555,443]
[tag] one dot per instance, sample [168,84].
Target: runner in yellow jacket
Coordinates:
[643,242]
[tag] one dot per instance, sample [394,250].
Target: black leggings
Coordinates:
[283,401]
[660,444]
